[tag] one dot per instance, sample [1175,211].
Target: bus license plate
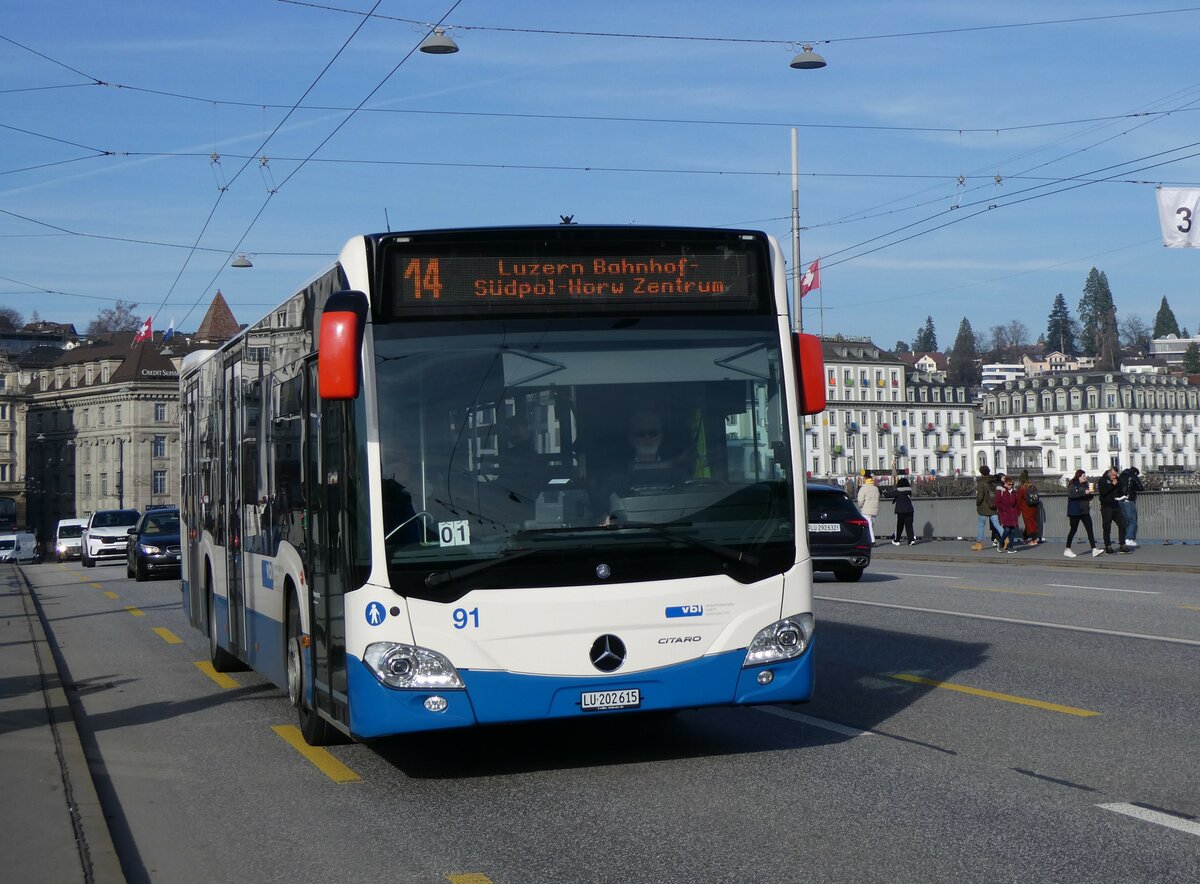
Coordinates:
[593,701]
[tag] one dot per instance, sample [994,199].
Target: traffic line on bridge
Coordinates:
[1104,589]
[1180,824]
[136,612]
[96,585]
[1191,607]
[993,695]
[168,636]
[110,594]
[469,878]
[220,678]
[814,722]
[1047,595]
[322,760]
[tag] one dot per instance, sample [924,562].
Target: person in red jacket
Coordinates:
[1008,507]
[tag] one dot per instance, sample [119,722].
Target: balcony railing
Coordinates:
[1030,433]
[1091,448]
[1177,447]
[1061,430]
[1146,428]
[1157,446]
[1134,446]
[1090,427]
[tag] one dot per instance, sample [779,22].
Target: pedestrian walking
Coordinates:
[1028,500]
[1131,487]
[985,507]
[868,503]
[1009,511]
[902,505]
[1110,510]
[1079,502]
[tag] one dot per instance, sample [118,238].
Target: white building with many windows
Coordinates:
[1056,424]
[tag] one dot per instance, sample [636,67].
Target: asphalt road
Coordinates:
[971,724]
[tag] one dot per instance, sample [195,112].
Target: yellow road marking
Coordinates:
[96,585]
[322,760]
[469,878]
[1048,595]
[992,695]
[168,636]
[220,678]
[1191,607]
[112,595]
[136,612]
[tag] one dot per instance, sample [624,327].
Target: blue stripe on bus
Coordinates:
[265,640]
[493,697]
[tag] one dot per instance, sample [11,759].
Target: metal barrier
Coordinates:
[1162,515]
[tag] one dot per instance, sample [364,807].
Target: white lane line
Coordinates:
[1103,588]
[1171,821]
[814,722]
[926,576]
[1154,638]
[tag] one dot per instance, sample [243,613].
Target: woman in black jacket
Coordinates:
[903,507]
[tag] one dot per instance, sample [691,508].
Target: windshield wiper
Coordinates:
[669,531]
[437,578]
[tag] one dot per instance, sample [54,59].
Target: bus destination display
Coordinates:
[446,282]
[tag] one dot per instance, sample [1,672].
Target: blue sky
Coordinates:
[104,189]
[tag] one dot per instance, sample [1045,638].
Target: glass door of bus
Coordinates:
[325,484]
[232,510]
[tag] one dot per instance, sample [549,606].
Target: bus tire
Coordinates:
[315,730]
[221,659]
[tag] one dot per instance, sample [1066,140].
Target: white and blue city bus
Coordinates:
[414,494]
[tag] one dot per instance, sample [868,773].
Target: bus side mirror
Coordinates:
[339,347]
[810,365]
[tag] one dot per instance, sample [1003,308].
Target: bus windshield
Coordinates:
[656,445]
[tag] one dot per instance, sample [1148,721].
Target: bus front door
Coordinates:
[324,483]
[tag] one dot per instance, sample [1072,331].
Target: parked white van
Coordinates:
[67,534]
[18,548]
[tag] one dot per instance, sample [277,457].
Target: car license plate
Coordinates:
[593,701]
[824,527]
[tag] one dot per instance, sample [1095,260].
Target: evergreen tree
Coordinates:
[1060,330]
[964,357]
[901,347]
[1108,351]
[1096,303]
[1191,358]
[1164,321]
[926,339]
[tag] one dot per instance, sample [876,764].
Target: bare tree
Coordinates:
[1134,334]
[119,317]
[11,318]
[1018,333]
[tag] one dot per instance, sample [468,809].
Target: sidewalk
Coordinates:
[52,827]
[1149,555]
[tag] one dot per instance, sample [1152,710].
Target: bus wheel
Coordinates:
[221,659]
[315,730]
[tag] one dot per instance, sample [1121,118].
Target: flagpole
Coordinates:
[797,298]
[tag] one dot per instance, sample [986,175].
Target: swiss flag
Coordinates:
[811,279]
[145,333]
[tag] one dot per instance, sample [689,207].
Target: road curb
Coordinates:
[1023,558]
[93,840]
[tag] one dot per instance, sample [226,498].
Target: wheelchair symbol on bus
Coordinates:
[375,614]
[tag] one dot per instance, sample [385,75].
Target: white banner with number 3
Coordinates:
[1179,215]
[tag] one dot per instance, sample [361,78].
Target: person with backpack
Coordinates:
[1008,509]
[985,507]
[1028,500]
[1110,509]
[902,505]
[1131,486]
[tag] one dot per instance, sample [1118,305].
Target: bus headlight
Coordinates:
[783,640]
[410,667]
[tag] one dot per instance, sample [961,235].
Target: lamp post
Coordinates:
[805,61]
[120,473]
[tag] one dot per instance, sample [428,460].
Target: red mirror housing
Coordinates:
[810,367]
[339,347]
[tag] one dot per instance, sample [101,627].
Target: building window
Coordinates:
[160,411]
[101,423]
[158,448]
[104,484]
[117,414]
[160,481]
